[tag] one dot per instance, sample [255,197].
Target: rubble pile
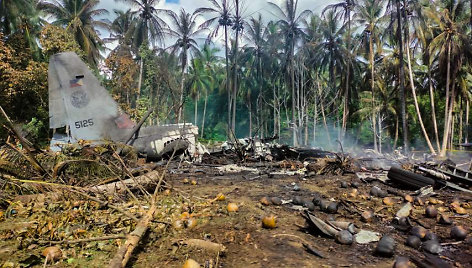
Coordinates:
[250,204]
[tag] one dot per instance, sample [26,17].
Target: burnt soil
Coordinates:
[247,243]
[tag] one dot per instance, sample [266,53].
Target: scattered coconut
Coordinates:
[355,184]
[232,207]
[317,199]
[178,224]
[458,233]
[186,181]
[432,246]
[190,263]
[167,192]
[431,212]
[419,201]
[444,219]
[367,216]
[309,205]
[402,262]
[460,210]
[388,201]
[297,200]
[354,193]
[269,222]
[386,246]
[413,241]
[409,198]
[194,182]
[344,237]
[332,208]
[276,201]
[191,223]
[220,197]
[431,236]
[265,201]
[53,253]
[324,204]
[418,231]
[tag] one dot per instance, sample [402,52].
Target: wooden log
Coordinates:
[408,178]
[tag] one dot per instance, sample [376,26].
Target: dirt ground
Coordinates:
[247,243]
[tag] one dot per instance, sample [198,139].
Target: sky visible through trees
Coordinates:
[385,75]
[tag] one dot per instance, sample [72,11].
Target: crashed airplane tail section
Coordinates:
[77,100]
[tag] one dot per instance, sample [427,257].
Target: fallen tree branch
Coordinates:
[84,240]
[124,253]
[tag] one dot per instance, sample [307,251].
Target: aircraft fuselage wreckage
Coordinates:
[79,102]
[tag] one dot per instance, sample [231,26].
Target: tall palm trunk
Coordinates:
[413,91]
[294,98]
[196,110]
[204,112]
[140,78]
[182,85]
[235,71]
[467,104]
[402,80]
[433,106]
[348,73]
[372,73]
[227,78]
[448,98]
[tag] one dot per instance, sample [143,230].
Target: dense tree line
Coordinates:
[374,73]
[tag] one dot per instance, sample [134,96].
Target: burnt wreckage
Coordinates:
[79,103]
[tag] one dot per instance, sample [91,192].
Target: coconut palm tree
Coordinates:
[345,8]
[80,19]
[185,30]
[290,20]
[254,36]
[149,23]
[369,16]
[220,17]
[452,46]
[121,29]
[13,13]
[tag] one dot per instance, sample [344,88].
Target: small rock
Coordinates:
[355,184]
[296,188]
[344,237]
[344,184]
[386,246]
[405,210]
[365,237]
[432,246]
[413,241]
